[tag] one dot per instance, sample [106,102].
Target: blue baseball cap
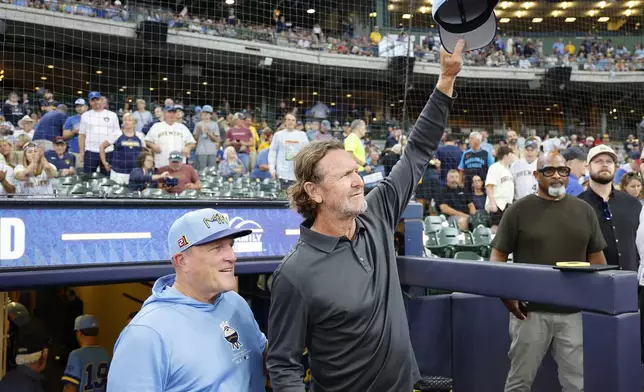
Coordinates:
[169,109]
[85,321]
[197,109]
[80,101]
[94,95]
[201,227]
[207,109]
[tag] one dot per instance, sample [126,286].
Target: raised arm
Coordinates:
[392,195]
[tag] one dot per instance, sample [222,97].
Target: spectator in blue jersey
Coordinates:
[64,161]
[127,147]
[576,160]
[50,126]
[261,169]
[449,155]
[475,161]
[158,117]
[194,333]
[72,126]
[632,166]
[143,176]
[87,366]
[31,358]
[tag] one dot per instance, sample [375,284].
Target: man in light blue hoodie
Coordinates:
[194,333]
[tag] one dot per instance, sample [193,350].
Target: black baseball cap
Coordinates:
[572,153]
[33,338]
[175,156]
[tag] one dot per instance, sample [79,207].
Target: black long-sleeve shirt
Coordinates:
[342,298]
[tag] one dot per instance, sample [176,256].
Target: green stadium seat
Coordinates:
[468,255]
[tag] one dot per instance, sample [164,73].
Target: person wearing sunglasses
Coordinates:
[546,228]
[617,212]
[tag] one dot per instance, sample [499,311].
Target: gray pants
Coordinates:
[531,339]
[205,160]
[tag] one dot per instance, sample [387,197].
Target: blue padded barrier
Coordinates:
[431,333]
[611,292]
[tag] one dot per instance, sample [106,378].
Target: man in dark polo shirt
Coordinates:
[544,229]
[618,213]
[454,202]
[338,292]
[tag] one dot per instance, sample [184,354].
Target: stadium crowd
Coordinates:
[591,54]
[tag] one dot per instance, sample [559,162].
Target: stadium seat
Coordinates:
[433,224]
[118,192]
[155,193]
[468,255]
[80,190]
[447,240]
[189,194]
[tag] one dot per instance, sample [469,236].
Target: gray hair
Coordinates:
[356,124]
[476,135]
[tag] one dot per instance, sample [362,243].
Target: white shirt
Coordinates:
[170,138]
[97,128]
[501,177]
[8,175]
[284,147]
[34,185]
[523,174]
[639,243]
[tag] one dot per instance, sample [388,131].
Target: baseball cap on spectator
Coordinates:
[86,321]
[635,155]
[531,144]
[207,109]
[201,227]
[471,20]
[33,338]
[175,156]
[599,150]
[347,124]
[59,140]
[590,139]
[178,107]
[169,108]
[23,120]
[198,109]
[94,95]
[573,153]
[80,101]
[326,124]
[240,116]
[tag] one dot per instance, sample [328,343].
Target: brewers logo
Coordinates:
[231,335]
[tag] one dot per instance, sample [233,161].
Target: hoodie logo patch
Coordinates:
[231,335]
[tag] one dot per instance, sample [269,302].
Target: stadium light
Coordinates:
[424,10]
[86,82]
[631,4]
[602,4]
[332,103]
[121,90]
[632,111]
[592,12]
[293,99]
[165,79]
[400,101]
[230,2]
[390,7]
[556,13]
[79,92]
[520,112]
[505,5]
[99,72]
[315,93]
[124,87]
[628,12]
[50,66]
[547,109]
[406,16]
[537,20]
[310,11]
[392,104]
[603,19]
[373,14]
[43,78]
[564,5]
[300,102]
[519,14]
[188,93]
[205,83]
[504,20]
[528,4]
[349,95]
[570,20]
[36,88]
[151,88]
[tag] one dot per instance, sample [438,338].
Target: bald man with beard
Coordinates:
[546,228]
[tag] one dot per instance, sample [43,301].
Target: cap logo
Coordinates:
[183,241]
[217,218]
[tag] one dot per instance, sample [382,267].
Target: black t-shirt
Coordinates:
[539,231]
[456,198]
